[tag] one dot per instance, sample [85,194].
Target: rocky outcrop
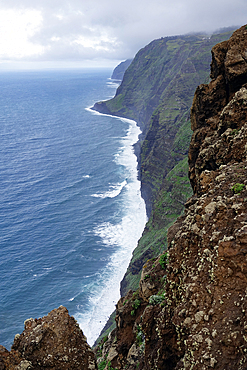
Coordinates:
[219,106]
[52,342]
[200,319]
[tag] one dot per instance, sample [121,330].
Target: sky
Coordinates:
[102,33]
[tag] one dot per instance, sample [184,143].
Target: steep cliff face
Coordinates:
[165,185]
[190,309]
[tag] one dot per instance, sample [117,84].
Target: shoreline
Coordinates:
[134,213]
[101,108]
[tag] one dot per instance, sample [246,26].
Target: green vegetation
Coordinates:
[163,260]
[237,188]
[140,337]
[110,325]
[135,306]
[235,131]
[102,365]
[156,299]
[100,346]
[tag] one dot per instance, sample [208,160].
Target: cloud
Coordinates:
[107,29]
[16,28]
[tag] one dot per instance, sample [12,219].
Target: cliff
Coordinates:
[119,71]
[190,309]
[157,90]
[161,80]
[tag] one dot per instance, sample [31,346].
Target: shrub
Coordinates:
[140,337]
[136,304]
[237,188]
[109,367]
[156,299]
[102,365]
[163,260]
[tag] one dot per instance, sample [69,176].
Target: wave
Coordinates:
[123,236]
[113,193]
[113,83]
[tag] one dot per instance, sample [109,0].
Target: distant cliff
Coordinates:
[189,311]
[119,71]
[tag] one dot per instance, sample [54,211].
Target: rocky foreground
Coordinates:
[190,311]
[52,342]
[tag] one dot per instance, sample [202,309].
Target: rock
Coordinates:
[52,342]
[219,106]
[13,361]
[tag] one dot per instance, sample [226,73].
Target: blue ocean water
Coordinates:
[71,212]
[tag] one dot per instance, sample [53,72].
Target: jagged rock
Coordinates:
[218,106]
[52,342]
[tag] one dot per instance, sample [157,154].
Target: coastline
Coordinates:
[126,234]
[101,108]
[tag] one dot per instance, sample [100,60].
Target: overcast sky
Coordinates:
[103,32]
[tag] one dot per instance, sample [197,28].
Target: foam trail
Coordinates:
[124,235]
[114,192]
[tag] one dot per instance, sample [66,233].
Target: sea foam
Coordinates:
[124,235]
[113,192]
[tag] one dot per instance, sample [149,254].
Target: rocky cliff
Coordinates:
[157,91]
[190,309]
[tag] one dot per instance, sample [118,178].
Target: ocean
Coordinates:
[71,211]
